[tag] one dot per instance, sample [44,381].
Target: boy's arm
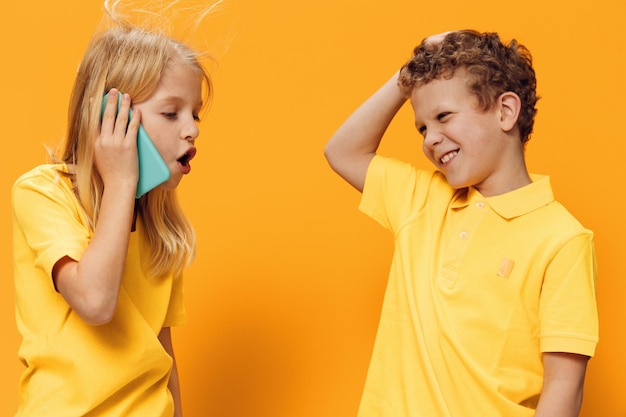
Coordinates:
[562,392]
[352,147]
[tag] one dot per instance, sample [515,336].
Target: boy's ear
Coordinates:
[510,106]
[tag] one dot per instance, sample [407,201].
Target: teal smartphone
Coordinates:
[153,170]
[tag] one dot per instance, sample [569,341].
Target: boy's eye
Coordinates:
[422,130]
[196,117]
[442,116]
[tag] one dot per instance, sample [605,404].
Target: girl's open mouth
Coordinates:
[184,160]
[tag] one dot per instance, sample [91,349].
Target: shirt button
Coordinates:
[463,235]
[480,205]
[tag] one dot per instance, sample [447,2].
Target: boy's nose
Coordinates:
[432,139]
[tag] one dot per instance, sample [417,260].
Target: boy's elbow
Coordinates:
[328,152]
[333,156]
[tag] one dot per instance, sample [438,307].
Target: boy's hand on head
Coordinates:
[435,39]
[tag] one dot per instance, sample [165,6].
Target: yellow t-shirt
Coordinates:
[73,368]
[478,288]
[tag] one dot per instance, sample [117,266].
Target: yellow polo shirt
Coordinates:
[478,288]
[73,368]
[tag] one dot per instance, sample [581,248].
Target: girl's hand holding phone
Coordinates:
[116,147]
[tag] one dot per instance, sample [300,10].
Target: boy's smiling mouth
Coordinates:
[448,157]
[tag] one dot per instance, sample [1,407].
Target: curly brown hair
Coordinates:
[494,68]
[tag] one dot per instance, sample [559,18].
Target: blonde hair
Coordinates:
[132,60]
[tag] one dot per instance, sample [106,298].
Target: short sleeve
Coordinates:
[396,190]
[568,309]
[176,313]
[48,219]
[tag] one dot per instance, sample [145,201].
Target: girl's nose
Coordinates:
[190,131]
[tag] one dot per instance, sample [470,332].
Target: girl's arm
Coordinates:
[562,392]
[165,337]
[91,285]
[352,147]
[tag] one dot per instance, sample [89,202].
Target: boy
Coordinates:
[490,308]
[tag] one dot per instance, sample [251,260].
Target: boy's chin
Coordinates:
[457,184]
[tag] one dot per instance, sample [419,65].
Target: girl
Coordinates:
[97,272]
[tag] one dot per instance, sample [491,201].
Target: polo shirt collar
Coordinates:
[514,203]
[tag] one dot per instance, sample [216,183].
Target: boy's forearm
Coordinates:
[354,144]
[562,392]
[364,128]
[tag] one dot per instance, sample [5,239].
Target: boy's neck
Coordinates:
[505,181]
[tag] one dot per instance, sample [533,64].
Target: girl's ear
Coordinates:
[509,104]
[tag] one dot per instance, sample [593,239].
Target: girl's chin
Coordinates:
[170,184]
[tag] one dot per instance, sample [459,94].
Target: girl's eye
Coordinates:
[170,115]
[196,117]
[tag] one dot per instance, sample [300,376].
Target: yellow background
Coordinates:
[284,297]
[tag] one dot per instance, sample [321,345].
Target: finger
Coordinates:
[110,111]
[133,126]
[121,122]
[435,39]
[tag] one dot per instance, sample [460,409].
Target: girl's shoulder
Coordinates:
[48,177]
